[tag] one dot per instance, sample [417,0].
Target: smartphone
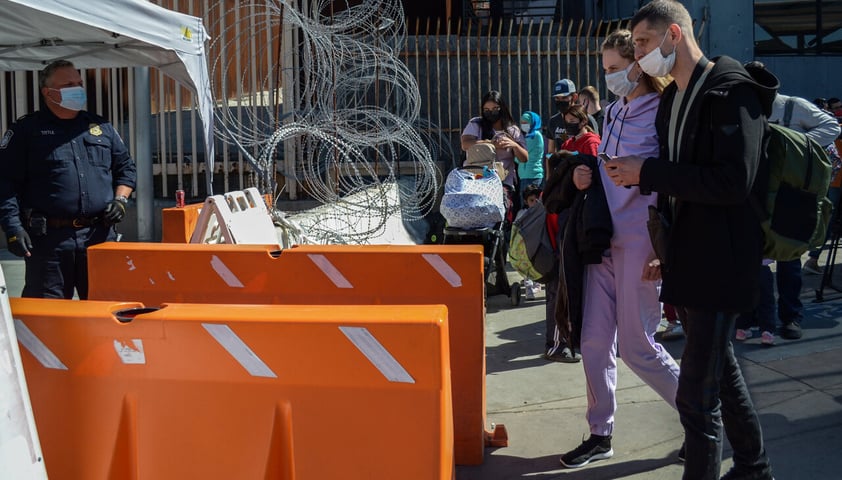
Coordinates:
[604,157]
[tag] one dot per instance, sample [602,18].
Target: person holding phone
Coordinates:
[496,125]
[620,303]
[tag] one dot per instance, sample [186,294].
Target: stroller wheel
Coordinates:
[515,294]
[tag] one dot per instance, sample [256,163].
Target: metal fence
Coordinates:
[455,63]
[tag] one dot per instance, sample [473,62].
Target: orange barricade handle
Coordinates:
[497,437]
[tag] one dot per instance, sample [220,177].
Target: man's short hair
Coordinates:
[661,14]
[564,88]
[48,71]
[591,93]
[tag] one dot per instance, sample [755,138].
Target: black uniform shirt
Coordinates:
[60,168]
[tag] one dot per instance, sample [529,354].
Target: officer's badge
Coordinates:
[7,137]
[95,130]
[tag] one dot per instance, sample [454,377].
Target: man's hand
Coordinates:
[115,211]
[651,271]
[20,244]
[625,171]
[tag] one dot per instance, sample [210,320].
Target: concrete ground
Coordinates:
[796,385]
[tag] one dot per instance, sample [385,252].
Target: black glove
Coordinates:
[115,211]
[19,244]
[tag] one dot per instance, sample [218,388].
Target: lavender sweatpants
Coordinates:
[621,309]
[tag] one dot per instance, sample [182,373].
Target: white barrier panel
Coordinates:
[20,450]
[235,217]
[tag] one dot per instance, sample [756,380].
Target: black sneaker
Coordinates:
[791,330]
[737,473]
[565,355]
[596,447]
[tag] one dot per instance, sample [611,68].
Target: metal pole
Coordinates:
[143,154]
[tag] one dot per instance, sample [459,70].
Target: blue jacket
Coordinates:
[534,166]
[60,168]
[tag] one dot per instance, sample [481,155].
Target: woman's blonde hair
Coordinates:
[621,41]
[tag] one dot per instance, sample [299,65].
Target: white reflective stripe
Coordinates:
[446,271]
[239,350]
[225,273]
[377,354]
[332,273]
[36,347]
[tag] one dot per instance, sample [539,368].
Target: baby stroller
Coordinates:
[474,207]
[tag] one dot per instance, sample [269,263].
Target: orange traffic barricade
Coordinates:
[451,275]
[124,392]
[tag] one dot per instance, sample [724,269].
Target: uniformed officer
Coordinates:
[65,177]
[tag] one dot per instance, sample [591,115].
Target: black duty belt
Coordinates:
[80,222]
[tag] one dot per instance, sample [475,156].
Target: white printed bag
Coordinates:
[472,199]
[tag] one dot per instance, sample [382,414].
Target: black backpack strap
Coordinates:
[788,111]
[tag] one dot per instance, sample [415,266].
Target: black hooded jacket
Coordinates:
[715,243]
[586,234]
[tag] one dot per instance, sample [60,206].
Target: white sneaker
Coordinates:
[812,266]
[767,338]
[530,293]
[673,331]
[742,334]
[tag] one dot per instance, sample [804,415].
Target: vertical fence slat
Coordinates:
[427,69]
[438,71]
[517,101]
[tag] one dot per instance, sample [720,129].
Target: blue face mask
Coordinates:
[72,98]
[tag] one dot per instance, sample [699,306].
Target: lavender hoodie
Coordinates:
[629,129]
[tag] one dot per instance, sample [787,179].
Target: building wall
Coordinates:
[727,28]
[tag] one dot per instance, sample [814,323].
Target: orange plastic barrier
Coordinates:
[238,391]
[177,224]
[451,275]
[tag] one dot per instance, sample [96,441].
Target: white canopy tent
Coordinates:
[107,34]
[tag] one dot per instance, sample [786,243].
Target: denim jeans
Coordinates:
[833,195]
[711,395]
[789,290]
[764,315]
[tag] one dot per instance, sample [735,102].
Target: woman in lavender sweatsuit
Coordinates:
[620,302]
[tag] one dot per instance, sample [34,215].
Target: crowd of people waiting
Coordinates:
[684,137]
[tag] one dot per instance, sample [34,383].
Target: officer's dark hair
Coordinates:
[48,71]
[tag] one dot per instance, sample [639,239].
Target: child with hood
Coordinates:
[531,172]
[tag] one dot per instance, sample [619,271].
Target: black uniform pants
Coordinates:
[59,261]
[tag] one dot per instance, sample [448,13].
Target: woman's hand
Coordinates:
[504,141]
[582,177]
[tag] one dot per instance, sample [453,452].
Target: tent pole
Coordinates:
[143,154]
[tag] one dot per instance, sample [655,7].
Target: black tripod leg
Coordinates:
[835,231]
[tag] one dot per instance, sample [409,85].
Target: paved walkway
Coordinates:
[796,385]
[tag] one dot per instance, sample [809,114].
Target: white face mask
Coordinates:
[656,64]
[619,83]
[72,98]
[525,127]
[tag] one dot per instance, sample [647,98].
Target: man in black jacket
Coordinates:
[712,130]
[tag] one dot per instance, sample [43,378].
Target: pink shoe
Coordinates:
[767,338]
[742,335]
